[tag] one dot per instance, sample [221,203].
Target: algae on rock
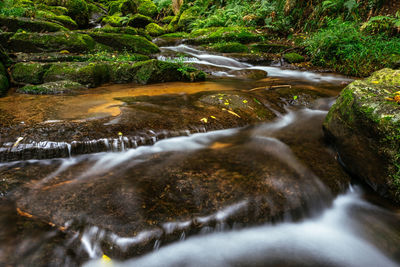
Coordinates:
[364,125]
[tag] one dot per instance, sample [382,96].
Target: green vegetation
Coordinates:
[230,47]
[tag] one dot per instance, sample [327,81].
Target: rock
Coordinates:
[38,42]
[29,73]
[147,8]
[120,30]
[154,29]
[231,47]
[13,24]
[66,21]
[4,58]
[121,42]
[293,58]
[51,88]
[90,74]
[128,7]
[249,74]
[4,83]
[77,9]
[364,125]
[139,21]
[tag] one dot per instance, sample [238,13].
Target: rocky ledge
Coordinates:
[364,125]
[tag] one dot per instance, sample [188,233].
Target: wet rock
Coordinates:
[14,24]
[154,30]
[4,83]
[29,73]
[139,21]
[293,58]
[37,42]
[249,74]
[121,42]
[90,74]
[52,88]
[364,125]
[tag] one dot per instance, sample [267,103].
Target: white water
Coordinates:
[336,238]
[202,57]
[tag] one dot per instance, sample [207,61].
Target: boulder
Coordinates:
[29,73]
[78,10]
[364,125]
[293,58]
[230,47]
[51,88]
[121,42]
[66,21]
[186,18]
[154,29]
[139,21]
[147,8]
[13,24]
[37,42]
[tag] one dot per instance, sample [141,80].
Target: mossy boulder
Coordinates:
[167,19]
[29,72]
[13,24]
[173,25]
[37,42]
[269,47]
[89,74]
[230,47]
[4,83]
[66,21]
[78,10]
[122,42]
[124,7]
[186,18]
[147,8]
[239,34]
[51,88]
[293,58]
[154,29]
[364,125]
[115,20]
[120,30]
[139,21]
[4,58]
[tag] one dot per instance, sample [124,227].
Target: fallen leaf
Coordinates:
[233,113]
[204,120]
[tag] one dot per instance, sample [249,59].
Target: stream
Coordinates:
[265,191]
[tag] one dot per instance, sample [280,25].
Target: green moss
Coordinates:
[232,47]
[89,74]
[186,18]
[31,73]
[139,21]
[51,88]
[115,20]
[242,35]
[78,10]
[154,29]
[128,7]
[386,77]
[147,8]
[120,30]
[173,25]
[269,47]
[36,42]
[175,35]
[293,58]
[167,19]
[14,24]
[64,20]
[121,42]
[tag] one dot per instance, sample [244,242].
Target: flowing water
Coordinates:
[267,194]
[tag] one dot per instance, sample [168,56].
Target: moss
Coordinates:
[125,7]
[139,21]
[121,42]
[115,20]
[173,25]
[64,20]
[14,24]
[51,88]
[31,73]
[293,58]
[120,30]
[175,35]
[58,10]
[36,42]
[386,77]
[89,74]
[4,83]
[167,19]
[154,29]
[78,10]
[242,35]
[147,8]
[232,47]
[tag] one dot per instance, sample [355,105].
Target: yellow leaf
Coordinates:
[204,120]
[233,113]
[105,258]
[388,98]
[213,117]
[17,142]
[64,52]
[226,103]
[397,93]
[375,82]
[120,134]
[245,101]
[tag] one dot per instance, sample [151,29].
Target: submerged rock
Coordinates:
[37,42]
[14,24]
[364,125]
[51,88]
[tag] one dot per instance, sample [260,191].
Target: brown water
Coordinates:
[268,194]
